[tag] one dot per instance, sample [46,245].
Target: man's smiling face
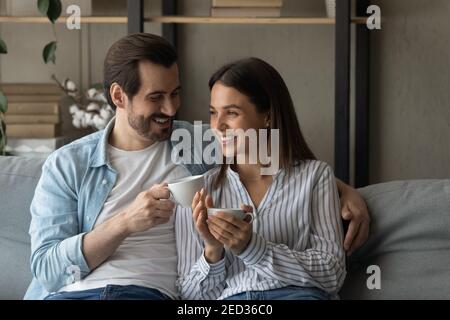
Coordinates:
[152,110]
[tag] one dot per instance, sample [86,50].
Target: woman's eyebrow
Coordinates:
[231,106]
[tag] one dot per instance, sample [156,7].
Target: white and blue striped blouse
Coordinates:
[297,237]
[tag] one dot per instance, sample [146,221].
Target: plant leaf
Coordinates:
[43,6]
[2,137]
[49,52]
[54,10]
[98,86]
[3,103]
[3,48]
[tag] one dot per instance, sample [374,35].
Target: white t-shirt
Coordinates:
[148,258]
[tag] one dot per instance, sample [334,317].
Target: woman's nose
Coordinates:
[221,124]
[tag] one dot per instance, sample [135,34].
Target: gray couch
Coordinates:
[409,239]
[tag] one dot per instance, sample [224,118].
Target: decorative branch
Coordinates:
[88,110]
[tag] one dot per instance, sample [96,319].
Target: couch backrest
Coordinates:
[409,240]
[409,236]
[18,179]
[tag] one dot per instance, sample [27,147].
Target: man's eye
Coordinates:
[156,98]
[175,94]
[232,113]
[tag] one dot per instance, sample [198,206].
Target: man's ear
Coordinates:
[118,96]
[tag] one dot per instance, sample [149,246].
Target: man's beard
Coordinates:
[147,128]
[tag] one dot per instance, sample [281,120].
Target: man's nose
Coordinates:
[170,107]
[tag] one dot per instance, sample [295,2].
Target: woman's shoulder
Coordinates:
[313,165]
[313,168]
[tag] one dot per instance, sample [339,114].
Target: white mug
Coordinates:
[238,213]
[183,190]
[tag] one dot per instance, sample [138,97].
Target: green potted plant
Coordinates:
[3,108]
[52,9]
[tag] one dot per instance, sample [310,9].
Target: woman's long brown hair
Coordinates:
[266,89]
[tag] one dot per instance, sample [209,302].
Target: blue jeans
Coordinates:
[286,293]
[111,292]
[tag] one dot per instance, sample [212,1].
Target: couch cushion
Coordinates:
[18,179]
[409,240]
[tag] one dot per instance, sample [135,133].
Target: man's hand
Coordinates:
[231,231]
[353,208]
[149,209]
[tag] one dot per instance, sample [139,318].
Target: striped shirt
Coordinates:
[297,237]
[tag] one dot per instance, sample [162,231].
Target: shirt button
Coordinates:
[104,181]
[88,218]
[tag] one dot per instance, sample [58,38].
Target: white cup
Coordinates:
[238,213]
[183,190]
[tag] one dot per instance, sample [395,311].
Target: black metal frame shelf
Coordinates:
[342,24]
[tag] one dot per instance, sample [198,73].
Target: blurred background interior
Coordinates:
[408,72]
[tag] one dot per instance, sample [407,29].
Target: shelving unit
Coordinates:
[189,20]
[169,19]
[90,19]
[342,24]
[247,20]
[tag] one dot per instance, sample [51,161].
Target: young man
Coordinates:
[102,224]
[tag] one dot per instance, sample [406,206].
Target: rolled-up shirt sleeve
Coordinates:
[56,241]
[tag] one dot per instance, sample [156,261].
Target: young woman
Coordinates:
[293,248]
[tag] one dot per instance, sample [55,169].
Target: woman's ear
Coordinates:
[117,95]
[267,121]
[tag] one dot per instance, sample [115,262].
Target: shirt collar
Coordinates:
[100,157]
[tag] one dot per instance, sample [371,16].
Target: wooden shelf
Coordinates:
[86,19]
[189,20]
[248,20]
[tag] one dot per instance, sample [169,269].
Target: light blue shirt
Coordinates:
[75,183]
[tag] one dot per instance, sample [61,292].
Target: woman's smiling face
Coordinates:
[231,110]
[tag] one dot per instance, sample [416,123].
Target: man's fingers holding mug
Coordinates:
[165,205]
[160,191]
[162,214]
[161,220]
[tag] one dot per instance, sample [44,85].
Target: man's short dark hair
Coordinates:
[122,61]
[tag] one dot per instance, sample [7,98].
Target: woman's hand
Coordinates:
[353,208]
[231,231]
[213,247]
